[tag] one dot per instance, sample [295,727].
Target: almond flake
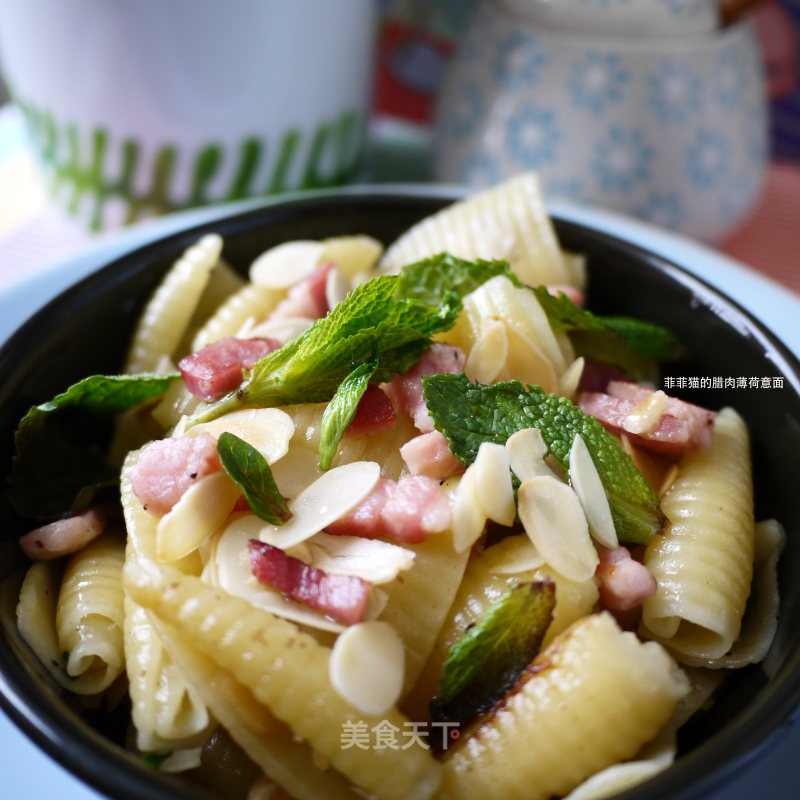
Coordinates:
[646,414]
[512,556]
[489,353]
[469,519]
[337,287]
[268,430]
[554,520]
[586,482]
[286,264]
[526,453]
[329,498]
[492,483]
[370,559]
[367,665]
[194,518]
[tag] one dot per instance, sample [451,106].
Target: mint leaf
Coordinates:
[341,410]
[60,460]
[155,760]
[625,341]
[250,471]
[491,656]
[469,414]
[371,323]
[432,279]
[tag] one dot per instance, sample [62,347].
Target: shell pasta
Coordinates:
[394,529]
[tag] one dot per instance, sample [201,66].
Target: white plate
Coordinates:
[28,774]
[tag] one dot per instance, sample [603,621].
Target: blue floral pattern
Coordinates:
[533,137]
[466,114]
[622,160]
[730,79]
[597,81]
[707,159]
[518,61]
[675,92]
[664,209]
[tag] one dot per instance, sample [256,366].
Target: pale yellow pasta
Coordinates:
[223,282]
[166,711]
[597,697]
[419,600]
[703,561]
[509,222]
[266,740]
[760,619]
[89,616]
[250,302]
[287,670]
[169,311]
[481,587]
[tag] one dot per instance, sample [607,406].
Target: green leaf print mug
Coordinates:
[136,109]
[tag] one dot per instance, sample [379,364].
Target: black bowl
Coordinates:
[85,330]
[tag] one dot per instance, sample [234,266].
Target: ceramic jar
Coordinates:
[671,129]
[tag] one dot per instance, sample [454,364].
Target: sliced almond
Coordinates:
[492,483]
[489,353]
[568,382]
[352,254]
[200,511]
[527,363]
[512,555]
[283,329]
[267,429]
[286,264]
[469,519]
[646,414]
[233,573]
[554,520]
[373,560]
[329,498]
[526,453]
[366,666]
[585,480]
[337,287]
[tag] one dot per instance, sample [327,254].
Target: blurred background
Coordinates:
[683,113]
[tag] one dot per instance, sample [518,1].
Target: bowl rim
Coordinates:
[56,732]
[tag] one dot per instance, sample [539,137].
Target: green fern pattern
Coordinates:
[79,169]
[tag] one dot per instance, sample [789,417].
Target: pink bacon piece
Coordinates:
[306,298]
[430,455]
[374,414]
[341,597]
[682,427]
[64,536]
[406,511]
[405,391]
[217,368]
[168,467]
[624,582]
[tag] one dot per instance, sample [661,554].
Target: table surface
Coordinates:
[35,240]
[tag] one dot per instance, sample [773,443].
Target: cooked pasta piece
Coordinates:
[89,616]
[509,221]
[704,560]
[593,698]
[418,601]
[170,309]
[267,741]
[250,302]
[287,670]
[166,711]
[761,615]
[483,585]
[223,282]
